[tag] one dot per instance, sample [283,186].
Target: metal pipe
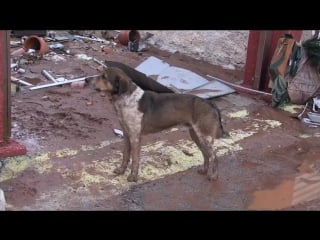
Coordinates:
[61,83]
[99,62]
[238,86]
[48,76]
[20,81]
[91,39]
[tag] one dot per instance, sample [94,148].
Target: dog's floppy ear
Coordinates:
[122,85]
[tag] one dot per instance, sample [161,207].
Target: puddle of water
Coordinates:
[273,199]
[302,189]
[306,188]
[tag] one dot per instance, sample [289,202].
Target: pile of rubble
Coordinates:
[54,47]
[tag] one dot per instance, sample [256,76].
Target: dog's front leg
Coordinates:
[126,155]
[213,169]
[135,151]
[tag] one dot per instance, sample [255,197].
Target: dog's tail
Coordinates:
[223,133]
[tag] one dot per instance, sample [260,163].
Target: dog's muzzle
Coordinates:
[90,82]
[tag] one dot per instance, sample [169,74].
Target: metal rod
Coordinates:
[304,109]
[61,83]
[20,81]
[238,86]
[48,76]
[99,62]
[91,39]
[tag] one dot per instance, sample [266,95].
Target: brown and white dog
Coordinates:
[142,112]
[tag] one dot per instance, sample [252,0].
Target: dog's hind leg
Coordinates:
[135,151]
[126,155]
[205,155]
[205,144]
[212,173]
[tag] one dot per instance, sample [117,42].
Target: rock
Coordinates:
[229,67]
[109,34]
[80,84]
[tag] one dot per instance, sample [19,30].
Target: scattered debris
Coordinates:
[107,50]
[61,37]
[54,57]
[304,109]
[21,70]
[308,121]
[229,67]
[314,117]
[26,33]
[18,52]
[89,38]
[58,47]
[118,132]
[109,34]
[316,104]
[45,98]
[79,85]
[15,43]
[83,56]
[133,46]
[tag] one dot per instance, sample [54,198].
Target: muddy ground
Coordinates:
[270,162]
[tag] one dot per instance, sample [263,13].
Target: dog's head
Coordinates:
[113,81]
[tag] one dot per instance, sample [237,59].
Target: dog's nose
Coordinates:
[90,83]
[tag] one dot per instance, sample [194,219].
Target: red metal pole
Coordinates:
[252,52]
[3,73]
[251,59]
[8,147]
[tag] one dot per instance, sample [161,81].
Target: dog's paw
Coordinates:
[119,170]
[213,176]
[202,171]
[132,178]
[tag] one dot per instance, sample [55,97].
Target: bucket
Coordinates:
[36,43]
[127,36]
